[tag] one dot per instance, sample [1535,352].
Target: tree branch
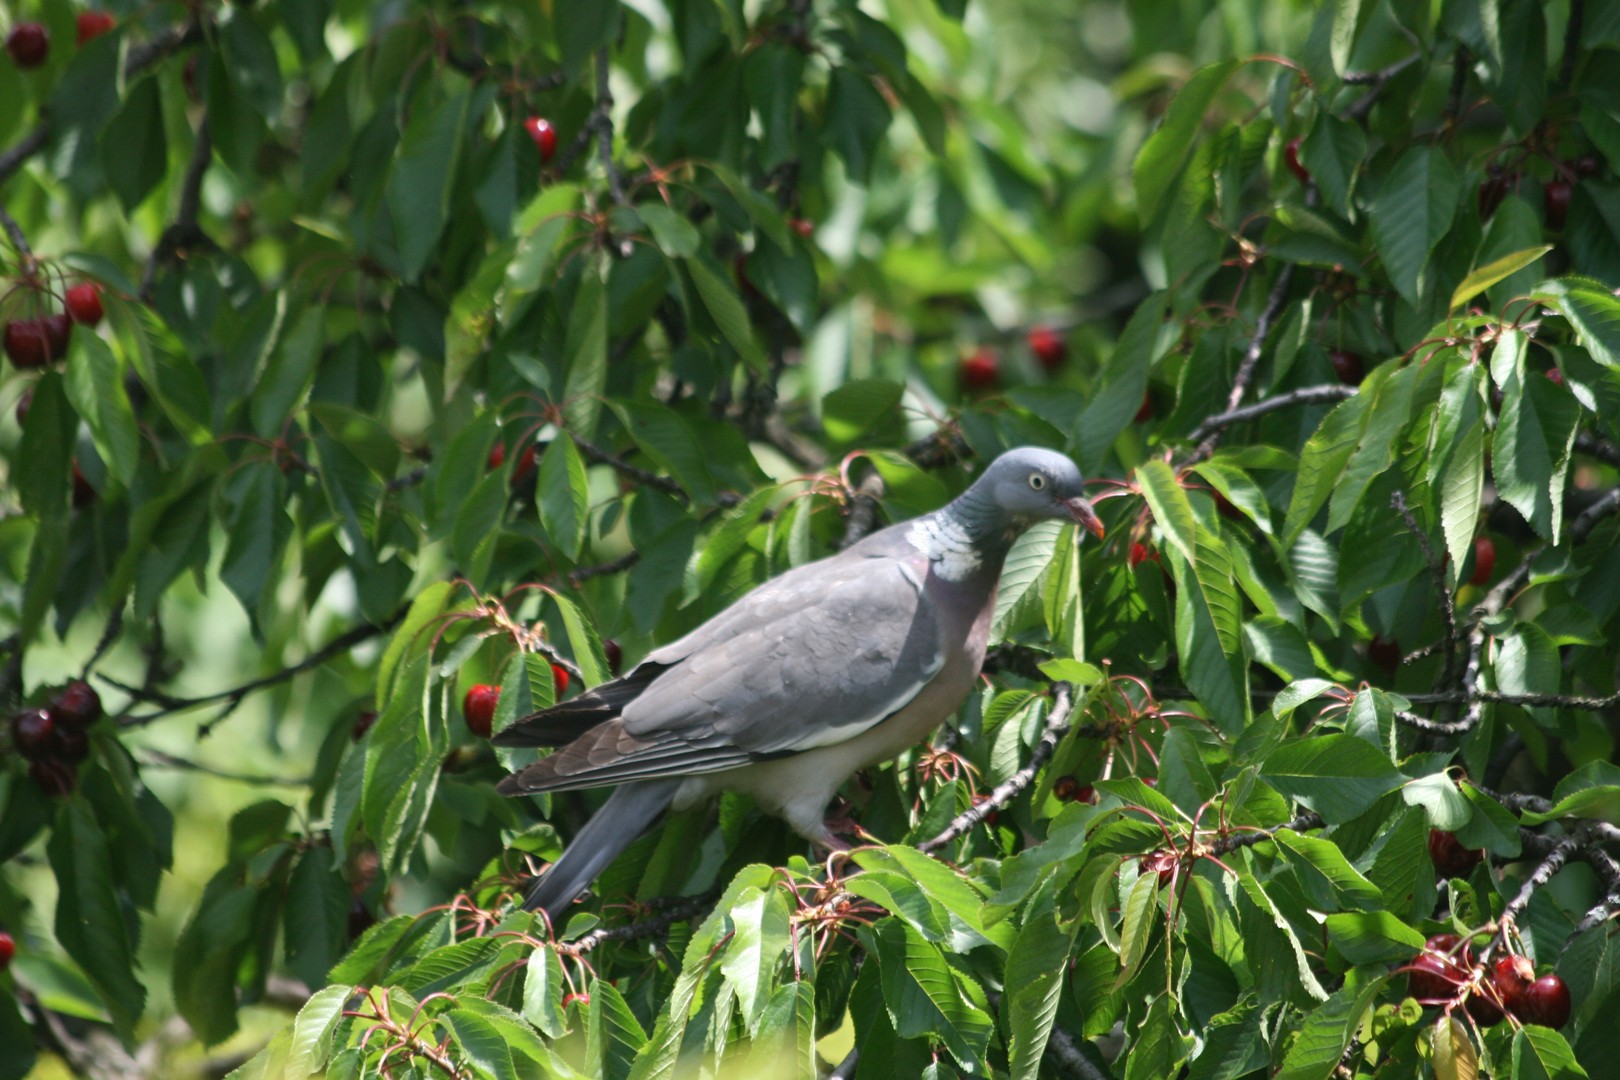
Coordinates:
[1251,357]
[172,704]
[1057,725]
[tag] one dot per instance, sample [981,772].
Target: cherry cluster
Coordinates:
[42,339]
[1444,972]
[55,739]
[29,43]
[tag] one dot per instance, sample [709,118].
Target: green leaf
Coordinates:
[1530,454]
[1438,795]
[543,992]
[309,1050]
[1322,461]
[90,921]
[564,496]
[613,1034]
[587,351]
[759,940]
[95,386]
[1493,272]
[315,919]
[582,641]
[1595,314]
[1172,511]
[1329,882]
[1338,776]
[924,996]
[1036,966]
[1462,493]
[1491,825]
[134,153]
[1319,1047]
[1347,25]
[481,1044]
[422,178]
[1410,214]
[852,410]
[1454,1055]
[1372,937]
[675,236]
[724,306]
[857,119]
[1141,910]
[1159,161]
[1540,1053]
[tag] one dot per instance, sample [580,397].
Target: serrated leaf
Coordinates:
[1454,1055]
[1491,273]
[1372,937]
[1159,161]
[1338,776]
[759,940]
[726,308]
[307,1053]
[1410,214]
[587,353]
[1171,510]
[1140,910]
[1319,1047]
[564,496]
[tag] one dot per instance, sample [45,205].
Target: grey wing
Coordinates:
[809,659]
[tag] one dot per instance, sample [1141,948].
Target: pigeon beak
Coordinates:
[1084,516]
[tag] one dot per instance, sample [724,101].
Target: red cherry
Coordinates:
[982,370]
[1484,560]
[1587,166]
[1556,375]
[614,653]
[1385,653]
[1048,346]
[1066,788]
[1544,1002]
[70,745]
[1450,858]
[1510,975]
[84,303]
[478,708]
[92,24]
[1485,1011]
[32,732]
[363,724]
[28,43]
[1144,412]
[77,705]
[803,226]
[28,342]
[83,493]
[1162,862]
[1435,973]
[1555,197]
[497,456]
[1291,157]
[544,136]
[569,999]
[23,405]
[559,679]
[55,778]
[1347,366]
[1141,553]
[8,949]
[1225,508]
[1086,794]
[523,474]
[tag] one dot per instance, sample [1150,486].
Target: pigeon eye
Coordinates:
[1037,481]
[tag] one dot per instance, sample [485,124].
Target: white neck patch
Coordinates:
[947,546]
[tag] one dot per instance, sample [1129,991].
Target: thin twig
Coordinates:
[185,232]
[1251,357]
[636,473]
[1303,823]
[1381,76]
[1305,395]
[863,508]
[624,562]
[604,125]
[157,759]
[1460,63]
[172,704]
[18,240]
[1057,725]
[677,911]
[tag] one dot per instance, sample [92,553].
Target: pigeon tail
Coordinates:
[624,817]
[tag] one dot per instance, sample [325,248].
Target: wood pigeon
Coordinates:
[832,666]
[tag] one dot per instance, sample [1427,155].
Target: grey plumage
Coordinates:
[832,666]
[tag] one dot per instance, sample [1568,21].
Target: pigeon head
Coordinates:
[1029,484]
